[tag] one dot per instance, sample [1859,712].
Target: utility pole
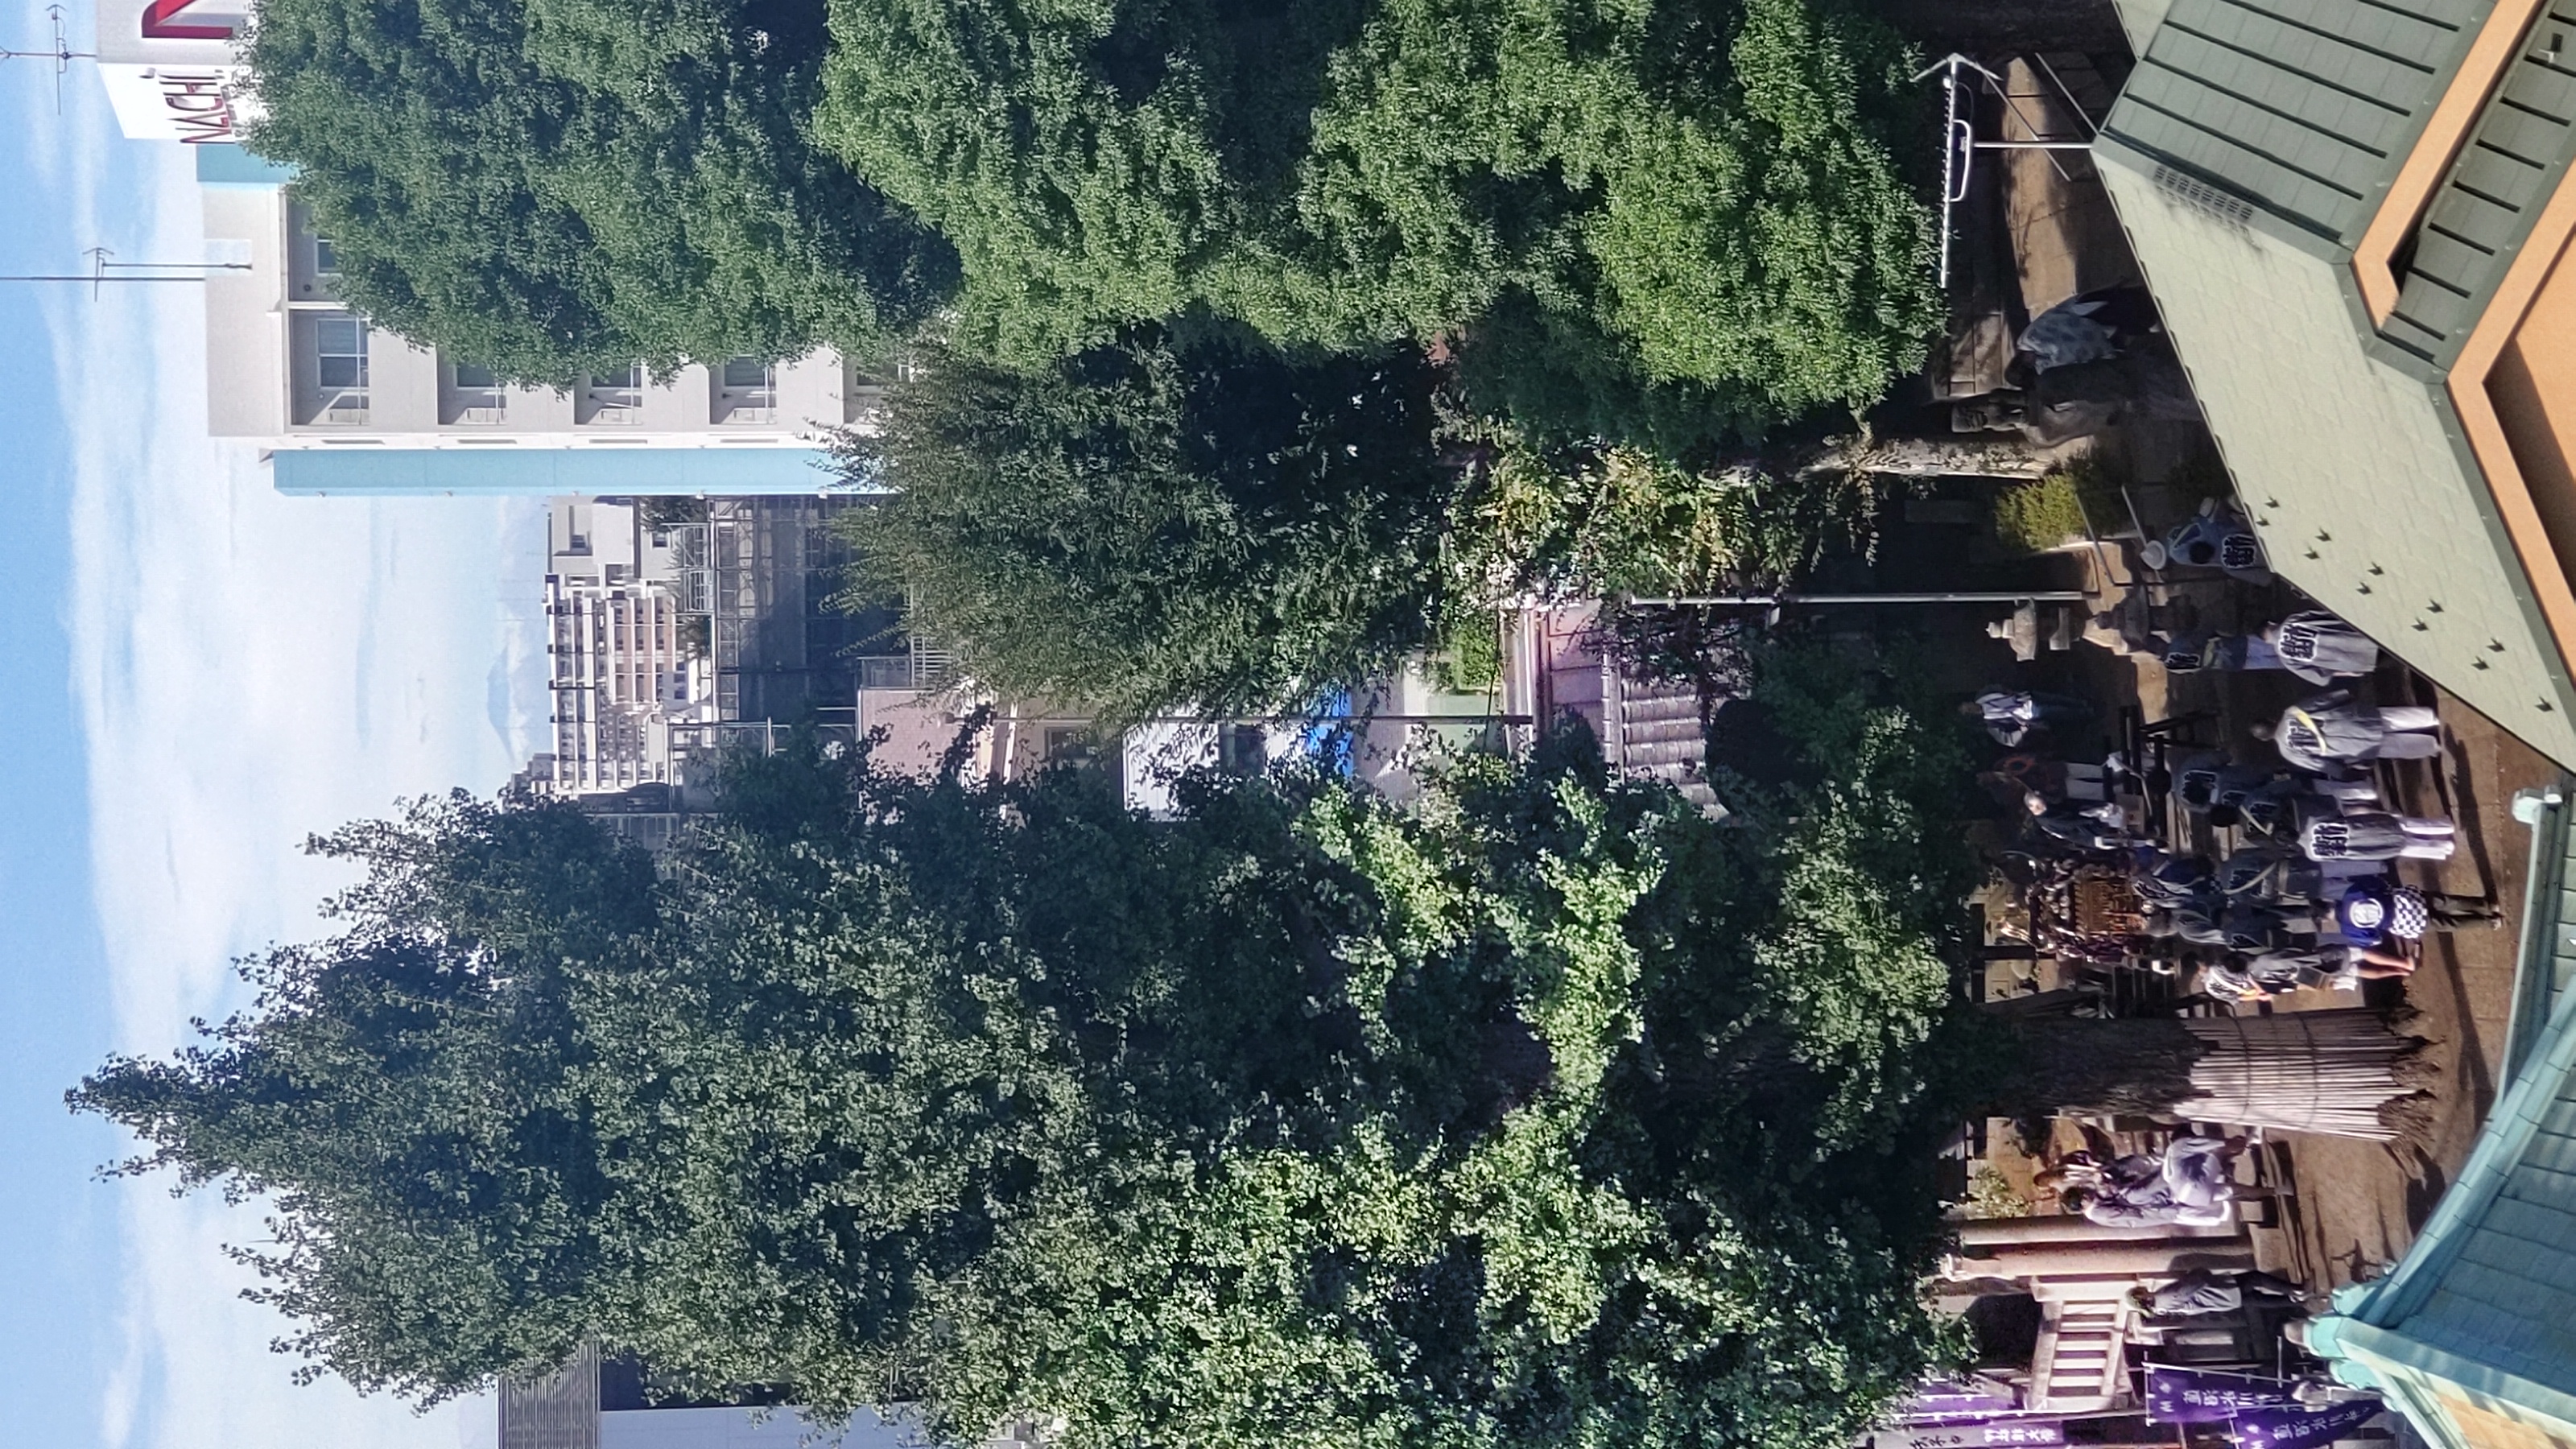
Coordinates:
[103,271]
[61,54]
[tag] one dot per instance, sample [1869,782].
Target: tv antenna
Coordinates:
[62,54]
[1959,142]
[103,271]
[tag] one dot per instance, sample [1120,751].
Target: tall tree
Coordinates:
[1546,1111]
[1154,525]
[1198,522]
[551,186]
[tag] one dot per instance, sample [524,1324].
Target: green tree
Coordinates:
[1205,525]
[552,186]
[1694,204]
[1153,525]
[1544,1111]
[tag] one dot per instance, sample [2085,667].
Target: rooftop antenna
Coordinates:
[1959,143]
[103,271]
[62,54]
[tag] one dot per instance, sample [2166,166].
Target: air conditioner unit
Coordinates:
[489,417]
[345,415]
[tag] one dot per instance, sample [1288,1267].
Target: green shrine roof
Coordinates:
[2473,1334]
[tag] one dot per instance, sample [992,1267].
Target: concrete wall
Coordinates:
[245,327]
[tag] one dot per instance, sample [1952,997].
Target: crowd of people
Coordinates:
[2302,895]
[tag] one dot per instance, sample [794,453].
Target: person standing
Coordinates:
[2282,970]
[2011,715]
[2322,733]
[2320,648]
[2201,1293]
[2378,835]
[2377,909]
[2200,1171]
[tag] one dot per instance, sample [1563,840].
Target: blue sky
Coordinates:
[198,673]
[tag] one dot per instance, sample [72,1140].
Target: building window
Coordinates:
[1242,748]
[746,392]
[340,367]
[478,397]
[312,261]
[615,396]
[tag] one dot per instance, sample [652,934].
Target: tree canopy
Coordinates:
[1661,223]
[552,186]
[1543,1111]
[1157,525]
[1689,196]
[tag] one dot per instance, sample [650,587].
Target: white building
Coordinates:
[169,68]
[626,660]
[611,541]
[345,408]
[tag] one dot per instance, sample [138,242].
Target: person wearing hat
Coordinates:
[2213,539]
[2323,732]
[2375,909]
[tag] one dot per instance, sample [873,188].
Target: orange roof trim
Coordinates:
[2511,387]
[2373,260]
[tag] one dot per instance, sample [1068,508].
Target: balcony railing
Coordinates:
[918,669]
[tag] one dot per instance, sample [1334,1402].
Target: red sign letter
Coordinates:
[160,22]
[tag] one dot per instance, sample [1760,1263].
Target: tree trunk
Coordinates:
[2005,27]
[2345,1073]
[1969,455]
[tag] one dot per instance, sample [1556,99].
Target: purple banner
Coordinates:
[2296,1428]
[2200,1396]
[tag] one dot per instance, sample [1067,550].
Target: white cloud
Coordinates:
[250,669]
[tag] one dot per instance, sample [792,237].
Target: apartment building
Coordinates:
[681,630]
[347,409]
[628,657]
[622,674]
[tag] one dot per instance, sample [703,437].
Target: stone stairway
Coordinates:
[2080,1366]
